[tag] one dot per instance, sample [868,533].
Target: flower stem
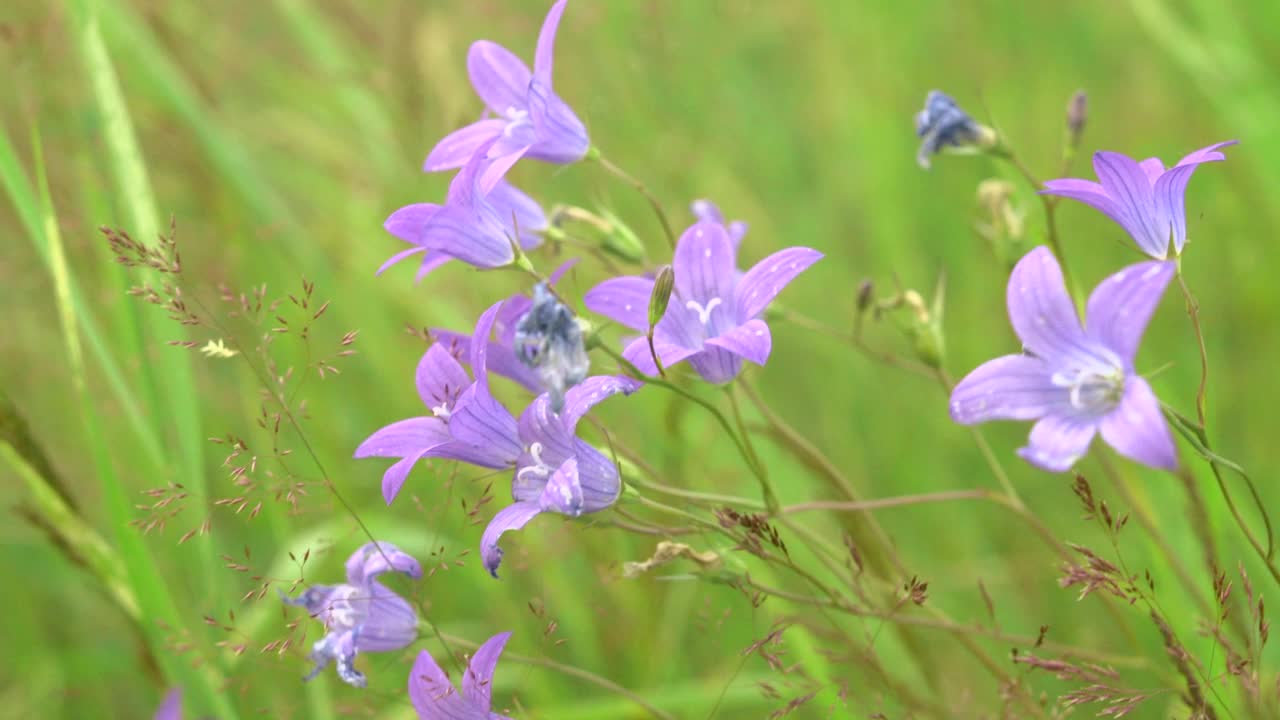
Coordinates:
[1193,312]
[640,188]
[1050,204]
[766,488]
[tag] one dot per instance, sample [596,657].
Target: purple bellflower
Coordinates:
[710,212]
[1074,381]
[361,615]
[549,340]
[475,225]
[1146,199]
[713,319]
[434,696]
[942,125]
[171,706]
[531,119]
[554,470]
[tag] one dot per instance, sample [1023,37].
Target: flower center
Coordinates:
[540,470]
[704,311]
[1092,391]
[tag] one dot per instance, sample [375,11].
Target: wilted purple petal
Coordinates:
[1057,442]
[373,559]
[460,145]
[477,682]
[1137,428]
[512,517]
[749,341]
[1039,307]
[499,77]
[1013,387]
[544,56]
[762,283]
[1120,307]
[624,300]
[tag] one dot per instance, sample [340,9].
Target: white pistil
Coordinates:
[442,410]
[704,312]
[540,470]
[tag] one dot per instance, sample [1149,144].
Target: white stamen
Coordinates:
[442,410]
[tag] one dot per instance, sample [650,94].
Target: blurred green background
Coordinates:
[280,134]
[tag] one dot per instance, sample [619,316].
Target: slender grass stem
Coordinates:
[640,188]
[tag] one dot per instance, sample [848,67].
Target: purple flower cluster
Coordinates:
[1078,380]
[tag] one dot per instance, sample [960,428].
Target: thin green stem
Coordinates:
[766,488]
[640,188]
[1193,312]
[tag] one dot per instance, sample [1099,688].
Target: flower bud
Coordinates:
[1077,114]
[549,339]
[943,126]
[620,240]
[663,285]
[866,290]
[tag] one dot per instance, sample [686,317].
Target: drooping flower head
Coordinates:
[476,225]
[554,470]
[434,696]
[171,706]
[713,319]
[1146,199]
[942,125]
[531,119]
[1075,381]
[361,615]
[548,339]
[710,212]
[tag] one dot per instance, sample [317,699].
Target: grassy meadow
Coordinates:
[279,135]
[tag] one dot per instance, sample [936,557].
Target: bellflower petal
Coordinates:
[1152,168]
[511,517]
[762,283]
[435,698]
[404,437]
[703,266]
[544,55]
[1013,387]
[624,300]
[499,77]
[563,492]
[1137,429]
[637,353]
[1057,442]
[403,254]
[460,145]
[1127,185]
[579,400]
[1039,307]
[749,341]
[715,365]
[509,202]
[171,706]
[477,682]
[440,380]
[499,358]
[1120,307]
[710,212]
[562,138]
